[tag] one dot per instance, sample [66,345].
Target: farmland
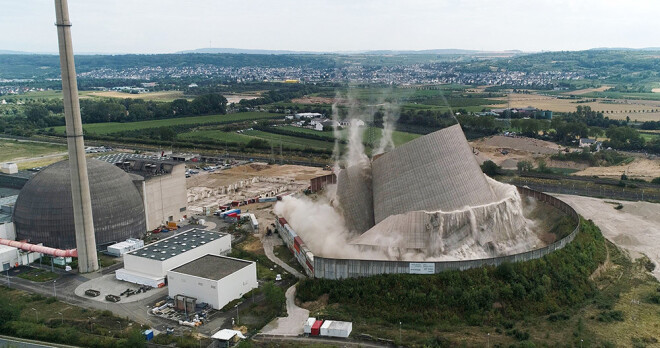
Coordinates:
[155,96]
[114,127]
[642,110]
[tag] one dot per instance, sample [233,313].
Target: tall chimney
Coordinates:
[82,201]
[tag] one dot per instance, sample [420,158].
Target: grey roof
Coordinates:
[435,172]
[177,244]
[145,166]
[43,212]
[212,267]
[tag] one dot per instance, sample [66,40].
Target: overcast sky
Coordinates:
[164,26]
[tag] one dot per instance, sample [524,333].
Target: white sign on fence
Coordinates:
[422,268]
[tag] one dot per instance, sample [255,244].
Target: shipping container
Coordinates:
[324,328]
[225,213]
[316,328]
[337,329]
[307,329]
[255,223]
[297,242]
[282,221]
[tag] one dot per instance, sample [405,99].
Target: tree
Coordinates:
[274,296]
[167,133]
[524,166]
[490,168]
[36,113]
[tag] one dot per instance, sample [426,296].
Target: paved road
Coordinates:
[292,325]
[269,242]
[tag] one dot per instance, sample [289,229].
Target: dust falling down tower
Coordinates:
[82,201]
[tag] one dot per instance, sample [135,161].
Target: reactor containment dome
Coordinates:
[44,210]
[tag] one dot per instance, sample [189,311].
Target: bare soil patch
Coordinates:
[635,228]
[589,90]
[640,168]
[313,100]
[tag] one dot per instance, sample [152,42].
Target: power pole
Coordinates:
[82,201]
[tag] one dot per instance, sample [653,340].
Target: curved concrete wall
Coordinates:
[351,268]
[435,172]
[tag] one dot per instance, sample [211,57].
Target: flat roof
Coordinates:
[212,266]
[177,244]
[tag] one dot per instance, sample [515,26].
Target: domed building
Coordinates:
[43,212]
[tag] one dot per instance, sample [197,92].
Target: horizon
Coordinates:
[333,26]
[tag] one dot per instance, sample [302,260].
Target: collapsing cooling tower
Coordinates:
[430,195]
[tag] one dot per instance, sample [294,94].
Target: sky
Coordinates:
[166,26]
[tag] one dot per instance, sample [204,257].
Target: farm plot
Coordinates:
[114,127]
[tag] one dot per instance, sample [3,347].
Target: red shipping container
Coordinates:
[316,328]
[282,221]
[311,268]
[297,242]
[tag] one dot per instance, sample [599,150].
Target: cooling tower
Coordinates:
[435,172]
[355,197]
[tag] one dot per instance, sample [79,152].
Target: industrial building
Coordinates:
[149,265]
[7,230]
[11,257]
[216,280]
[130,195]
[43,212]
[162,185]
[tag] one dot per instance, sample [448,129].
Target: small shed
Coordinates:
[228,337]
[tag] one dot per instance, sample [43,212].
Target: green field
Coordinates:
[11,150]
[371,135]
[622,95]
[649,136]
[244,138]
[113,127]
[215,135]
[324,134]
[291,141]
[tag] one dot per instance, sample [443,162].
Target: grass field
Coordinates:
[649,136]
[244,138]
[291,141]
[11,150]
[216,135]
[38,275]
[113,127]
[371,135]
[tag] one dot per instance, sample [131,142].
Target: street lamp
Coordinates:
[8,281]
[119,322]
[238,318]
[61,317]
[36,314]
[488,341]
[400,333]
[54,290]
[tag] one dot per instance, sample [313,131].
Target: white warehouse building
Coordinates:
[149,265]
[216,280]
